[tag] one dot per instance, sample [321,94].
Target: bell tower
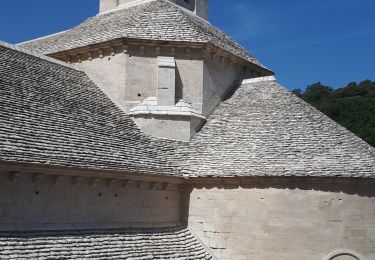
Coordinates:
[199,7]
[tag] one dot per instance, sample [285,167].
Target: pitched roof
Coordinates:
[263,130]
[135,244]
[158,20]
[52,114]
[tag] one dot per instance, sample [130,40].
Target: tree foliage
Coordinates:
[352,106]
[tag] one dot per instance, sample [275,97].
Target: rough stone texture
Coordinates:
[54,115]
[177,122]
[132,244]
[158,20]
[202,82]
[108,73]
[190,84]
[263,130]
[286,219]
[180,128]
[107,5]
[199,7]
[137,85]
[71,203]
[166,90]
[220,78]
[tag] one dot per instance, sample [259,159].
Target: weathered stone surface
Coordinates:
[283,218]
[53,114]
[199,7]
[85,204]
[263,130]
[166,90]
[158,20]
[134,244]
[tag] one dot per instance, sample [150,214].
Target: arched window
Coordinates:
[343,255]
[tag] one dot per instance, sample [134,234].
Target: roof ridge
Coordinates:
[258,80]
[41,38]
[37,55]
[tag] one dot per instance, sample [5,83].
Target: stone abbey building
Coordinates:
[147,133]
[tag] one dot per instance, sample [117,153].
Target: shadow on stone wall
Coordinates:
[350,186]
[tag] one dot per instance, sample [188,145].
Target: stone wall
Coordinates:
[129,74]
[286,219]
[71,203]
[202,79]
[220,77]
[189,82]
[108,72]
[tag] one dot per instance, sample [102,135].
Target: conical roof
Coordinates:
[264,130]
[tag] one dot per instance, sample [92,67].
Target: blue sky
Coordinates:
[331,41]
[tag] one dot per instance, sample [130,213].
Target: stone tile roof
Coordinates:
[52,114]
[135,244]
[158,20]
[263,130]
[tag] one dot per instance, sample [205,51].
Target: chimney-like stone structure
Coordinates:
[166,90]
[199,7]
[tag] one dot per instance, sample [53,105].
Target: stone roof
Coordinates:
[135,244]
[263,130]
[158,20]
[52,114]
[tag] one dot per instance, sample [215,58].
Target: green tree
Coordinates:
[352,106]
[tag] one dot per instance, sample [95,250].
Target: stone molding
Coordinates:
[338,253]
[258,80]
[149,107]
[15,170]
[114,47]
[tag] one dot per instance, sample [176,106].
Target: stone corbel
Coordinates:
[70,59]
[101,53]
[37,177]
[90,55]
[188,52]
[79,57]
[153,185]
[57,179]
[113,51]
[111,182]
[166,185]
[173,51]
[14,176]
[125,48]
[142,50]
[125,183]
[77,180]
[95,182]
[157,50]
